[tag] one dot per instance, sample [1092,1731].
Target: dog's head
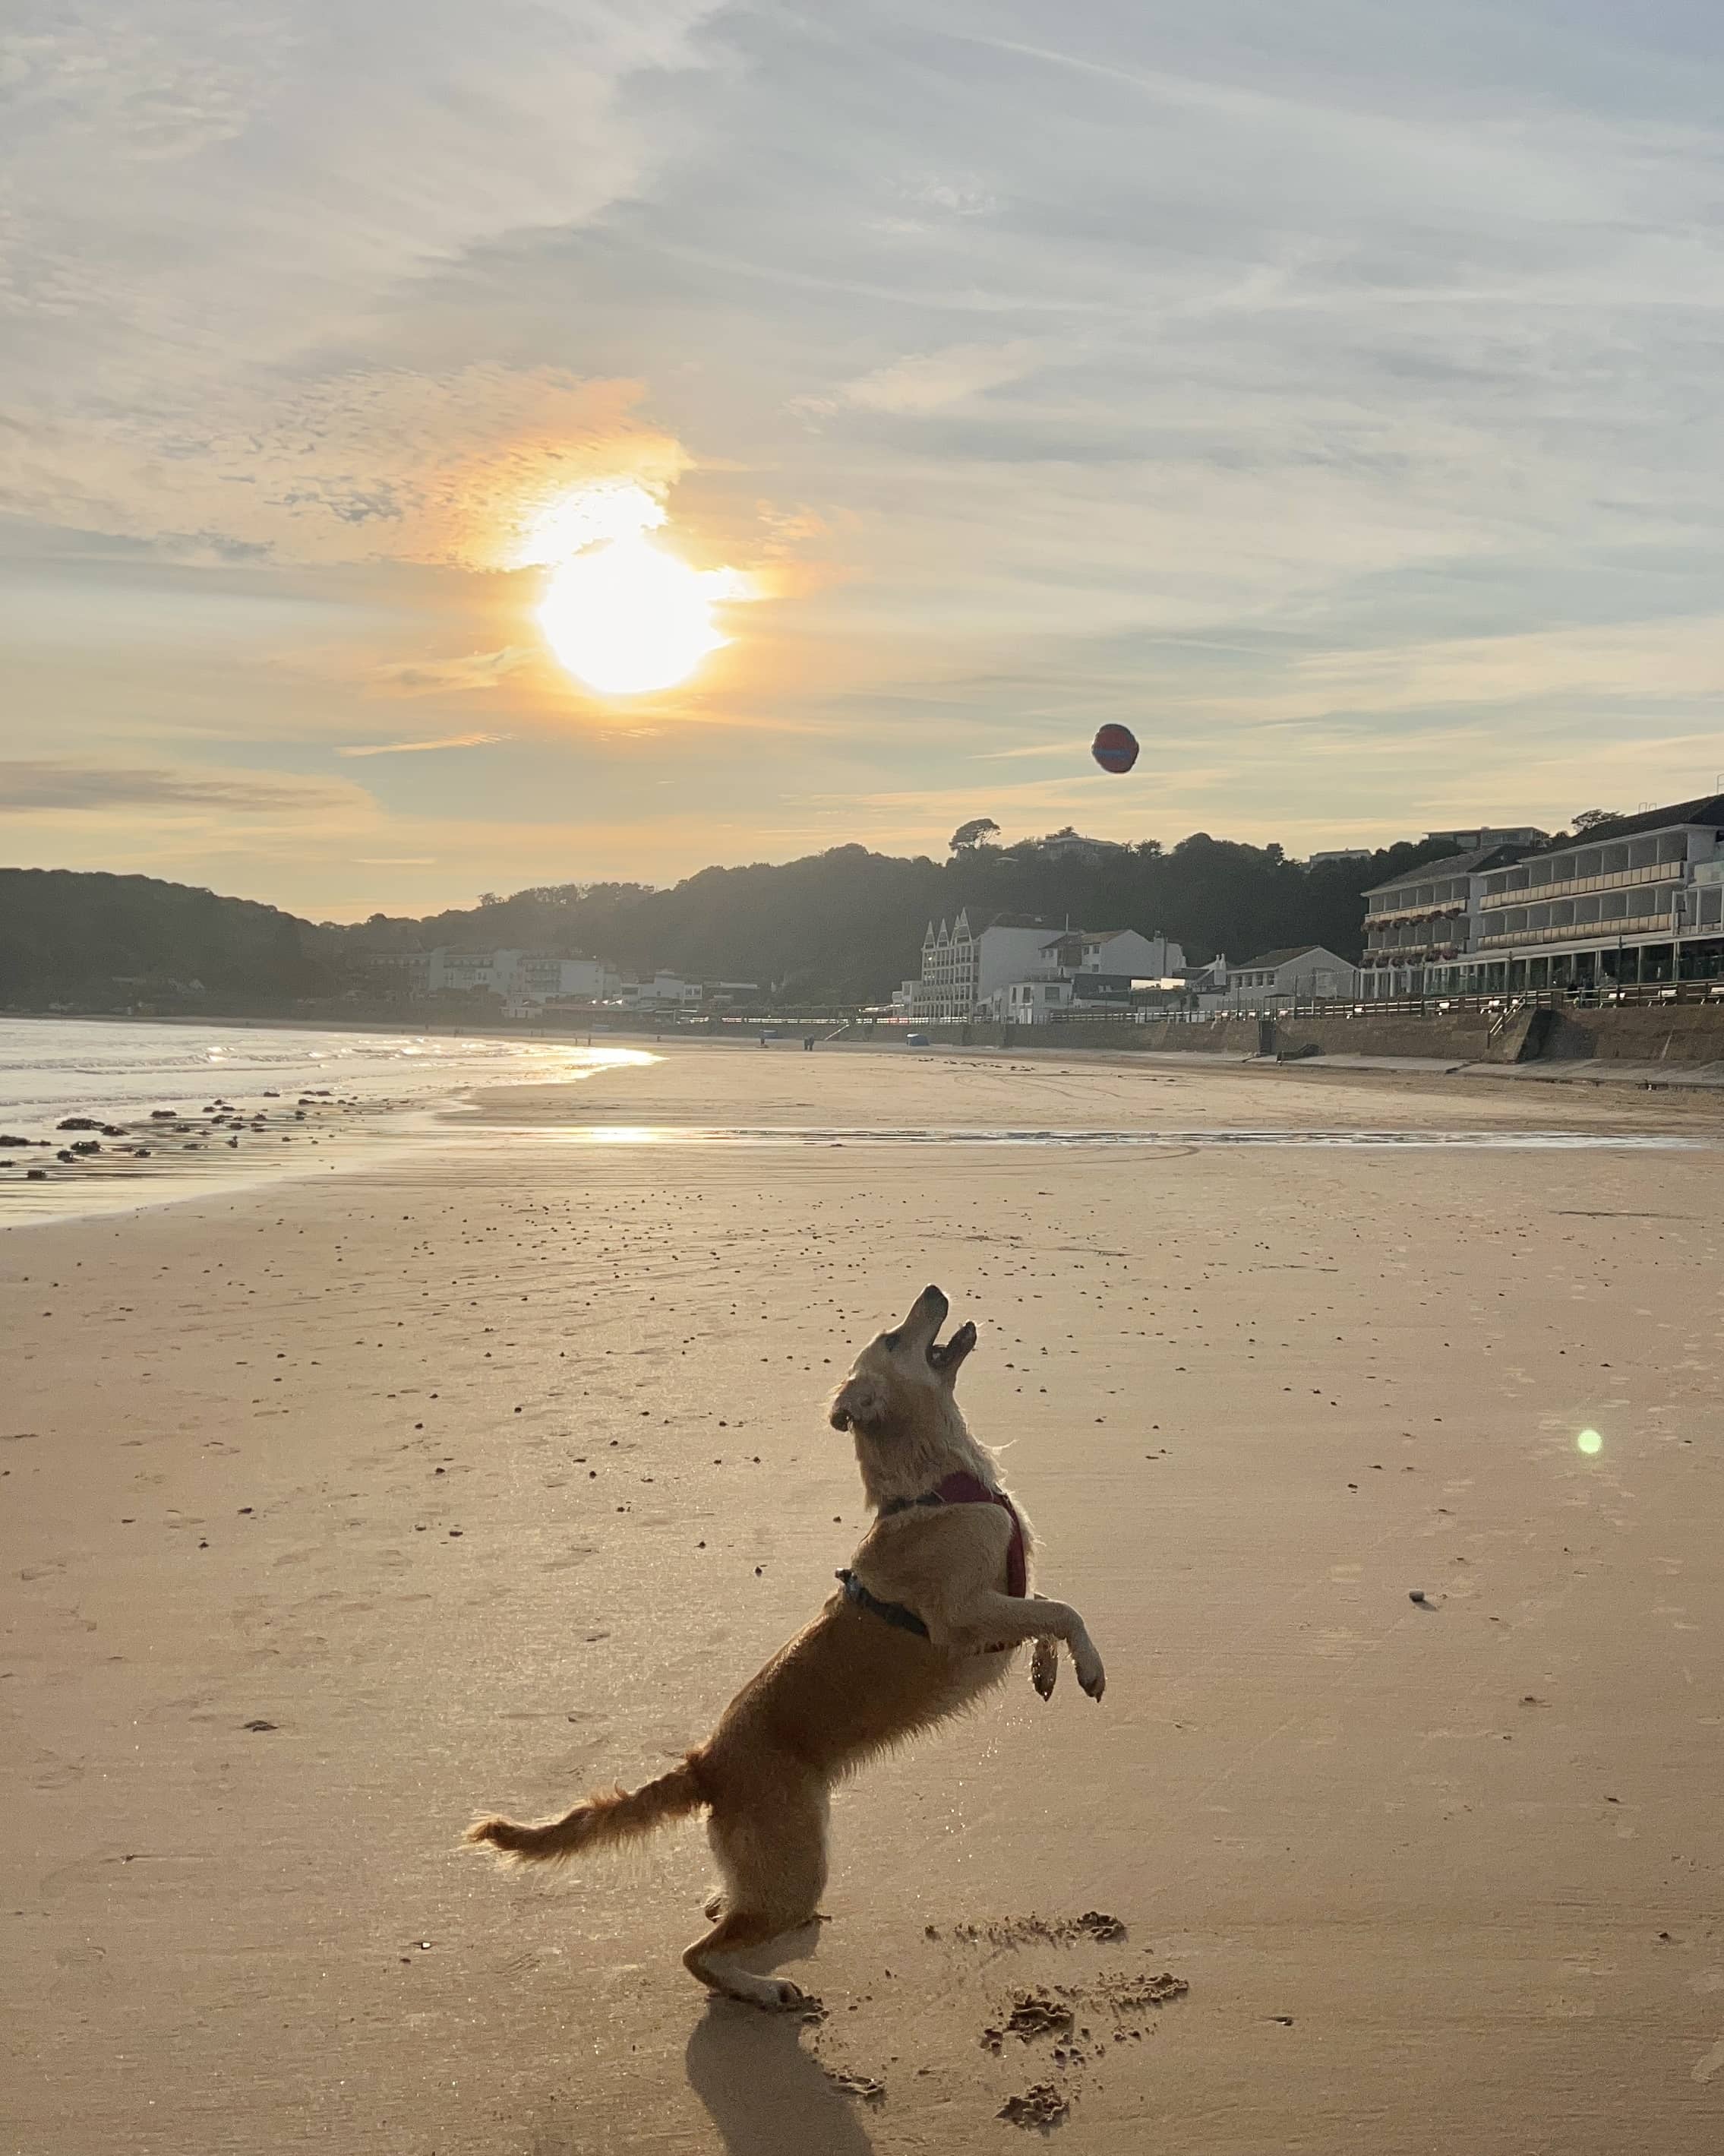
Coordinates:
[906,1374]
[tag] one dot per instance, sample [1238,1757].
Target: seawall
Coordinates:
[1687,1033]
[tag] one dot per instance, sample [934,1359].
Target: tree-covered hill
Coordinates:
[842,926]
[88,939]
[847,925]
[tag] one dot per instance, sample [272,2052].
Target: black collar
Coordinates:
[894,1613]
[908,1504]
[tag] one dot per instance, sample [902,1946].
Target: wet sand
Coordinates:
[332,1511]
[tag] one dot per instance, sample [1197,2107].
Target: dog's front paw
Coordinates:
[1091,1675]
[1045,1667]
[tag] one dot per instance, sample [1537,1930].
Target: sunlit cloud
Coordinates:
[595,515]
[421,747]
[384,464]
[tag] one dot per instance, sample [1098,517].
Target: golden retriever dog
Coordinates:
[929,1614]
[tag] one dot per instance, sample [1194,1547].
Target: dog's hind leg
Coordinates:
[707,1961]
[772,1852]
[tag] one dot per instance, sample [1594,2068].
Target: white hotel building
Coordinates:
[1639,900]
[1010,967]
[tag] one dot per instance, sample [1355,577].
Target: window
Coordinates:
[1673,846]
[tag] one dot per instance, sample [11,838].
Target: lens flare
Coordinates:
[1590,1442]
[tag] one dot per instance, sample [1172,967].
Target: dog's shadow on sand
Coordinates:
[765,2095]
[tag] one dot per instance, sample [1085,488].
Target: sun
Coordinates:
[622,615]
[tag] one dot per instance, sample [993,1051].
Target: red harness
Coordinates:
[959,1489]
[962,1489]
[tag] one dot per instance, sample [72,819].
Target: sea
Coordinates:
[121,1070]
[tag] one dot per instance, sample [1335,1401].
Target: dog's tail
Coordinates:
[599,1823]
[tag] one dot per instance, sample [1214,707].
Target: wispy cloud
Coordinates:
[1069,749]
[479,669]
[421,747]
[27,784]
[283,200]
[384,464]
[927,381]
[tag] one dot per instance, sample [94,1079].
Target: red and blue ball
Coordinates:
[1114,748]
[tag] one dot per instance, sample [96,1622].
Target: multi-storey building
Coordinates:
[520,978]
[1420,926]
[968,968]
[662,991]
[966,962]
[1523,835]
[1638,900]
[399,972]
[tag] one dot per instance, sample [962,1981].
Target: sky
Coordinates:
[1329,393]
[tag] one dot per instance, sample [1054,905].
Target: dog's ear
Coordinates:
[859,1404]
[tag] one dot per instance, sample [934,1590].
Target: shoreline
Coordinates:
[1632,1076]
[1216,1102]
[97,1150]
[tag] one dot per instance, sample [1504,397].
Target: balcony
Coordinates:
[1596,930]
[1395,954]
[1578,887]
[1445,911]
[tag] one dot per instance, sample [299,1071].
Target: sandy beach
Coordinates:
[332,1511]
